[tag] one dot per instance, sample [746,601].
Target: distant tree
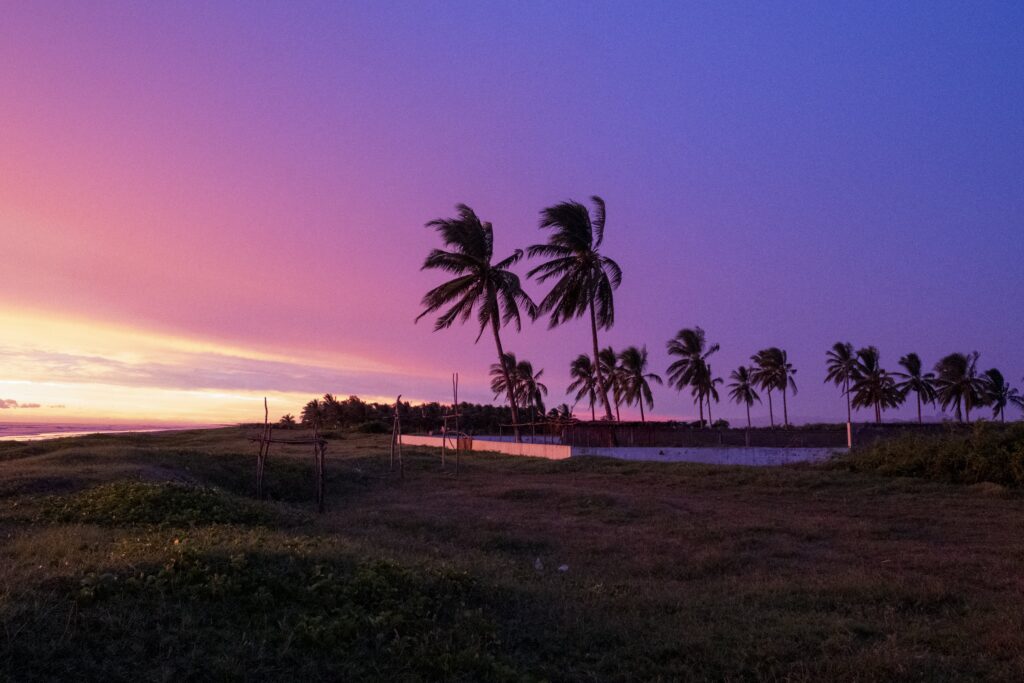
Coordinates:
[957,383]
[585,279]
[312,414]
[772,370]
[706,387]
[612,374]
[842,370]
[691,350]
[491,289]
[922,384]
[742,389]
[584,381]
[561,412]
[636,381]
[287,421]
[874,386]
[500,380]
[998,394]
[531,389]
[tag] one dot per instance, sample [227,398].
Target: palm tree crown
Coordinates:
[584,381]
[874,386]
[957,383]
[636,387]
[584,278]
[842,370]
[998,394]
[772,370]
[691,370]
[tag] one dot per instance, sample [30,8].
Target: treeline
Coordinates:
[355,414]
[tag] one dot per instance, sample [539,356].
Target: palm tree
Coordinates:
[913,380]
[957,383]
[636,387]
[999,394]
[742,389]
[531,390]
[691,348]
[561,413]
[312,414]
[586,280]
[612,374]
[584,381]
[706,387]
[842,370]
[491,289]
[499,380]
[874,386]
[287,421]
[772,370]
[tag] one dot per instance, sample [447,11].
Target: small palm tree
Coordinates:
[500,381]
[874,386]
[287,421]
[998,394]
[490,289]
[772,370]
[584,381]
[707,388]
[312,414]
[612,374]
[585,279]
[636,381]
[957,383]
[561,413]
[922,384]
[742,389]
[531,389]
[691,349]
[842,370]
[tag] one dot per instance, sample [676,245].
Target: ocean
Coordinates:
[35,431]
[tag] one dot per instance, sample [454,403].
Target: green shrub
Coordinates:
[126,503]
[988,453]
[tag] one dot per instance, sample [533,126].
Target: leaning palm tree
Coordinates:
[612,373]
[491,289]
[772,370]
[957,383]
[922,384]
[998,394]
[585,279]
[636,381]
[742,389]
[584,382]
[842,370]
[874,387]
[692,351]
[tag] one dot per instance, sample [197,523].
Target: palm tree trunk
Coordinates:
[700,403]
[617,417]
[601,388]
[593,413]
[508,379]
[711,420]
[748,416]
[849,409]
[642,409]
[878,412]
[919,409]
[785,408]
[771,411]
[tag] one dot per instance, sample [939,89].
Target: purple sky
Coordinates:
[258,176]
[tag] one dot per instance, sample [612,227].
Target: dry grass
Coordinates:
[674,571]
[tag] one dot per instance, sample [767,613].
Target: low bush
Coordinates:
[988,453]
[126,503]
[372,427]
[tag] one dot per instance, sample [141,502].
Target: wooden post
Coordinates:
[319,446]
[455,398]
[849,435]
[261,458]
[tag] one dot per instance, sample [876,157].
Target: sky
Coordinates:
[202,204]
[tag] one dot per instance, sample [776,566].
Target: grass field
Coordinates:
[144,557]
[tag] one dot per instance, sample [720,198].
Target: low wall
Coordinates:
[758,457]
[533,450]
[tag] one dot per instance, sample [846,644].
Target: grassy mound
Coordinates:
[124,503]
[263,616]
[988,453]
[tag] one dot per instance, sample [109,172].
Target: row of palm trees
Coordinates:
[583,281]
[955,382]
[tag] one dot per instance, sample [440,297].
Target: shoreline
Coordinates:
[42,431]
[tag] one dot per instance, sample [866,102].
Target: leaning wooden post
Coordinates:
[261,458]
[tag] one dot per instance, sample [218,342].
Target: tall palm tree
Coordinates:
[499,379]
[585,279]
[707,387]
[491,289]
[636,381]
[957,383]
[742,389]
[874,386]
[612,374]
[584,381]
[998,394]
[772,370]
[842,370]
[922,384]
[531,389]
[691,349]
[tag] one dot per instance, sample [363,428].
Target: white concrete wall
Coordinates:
[714,455]
[533,450]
